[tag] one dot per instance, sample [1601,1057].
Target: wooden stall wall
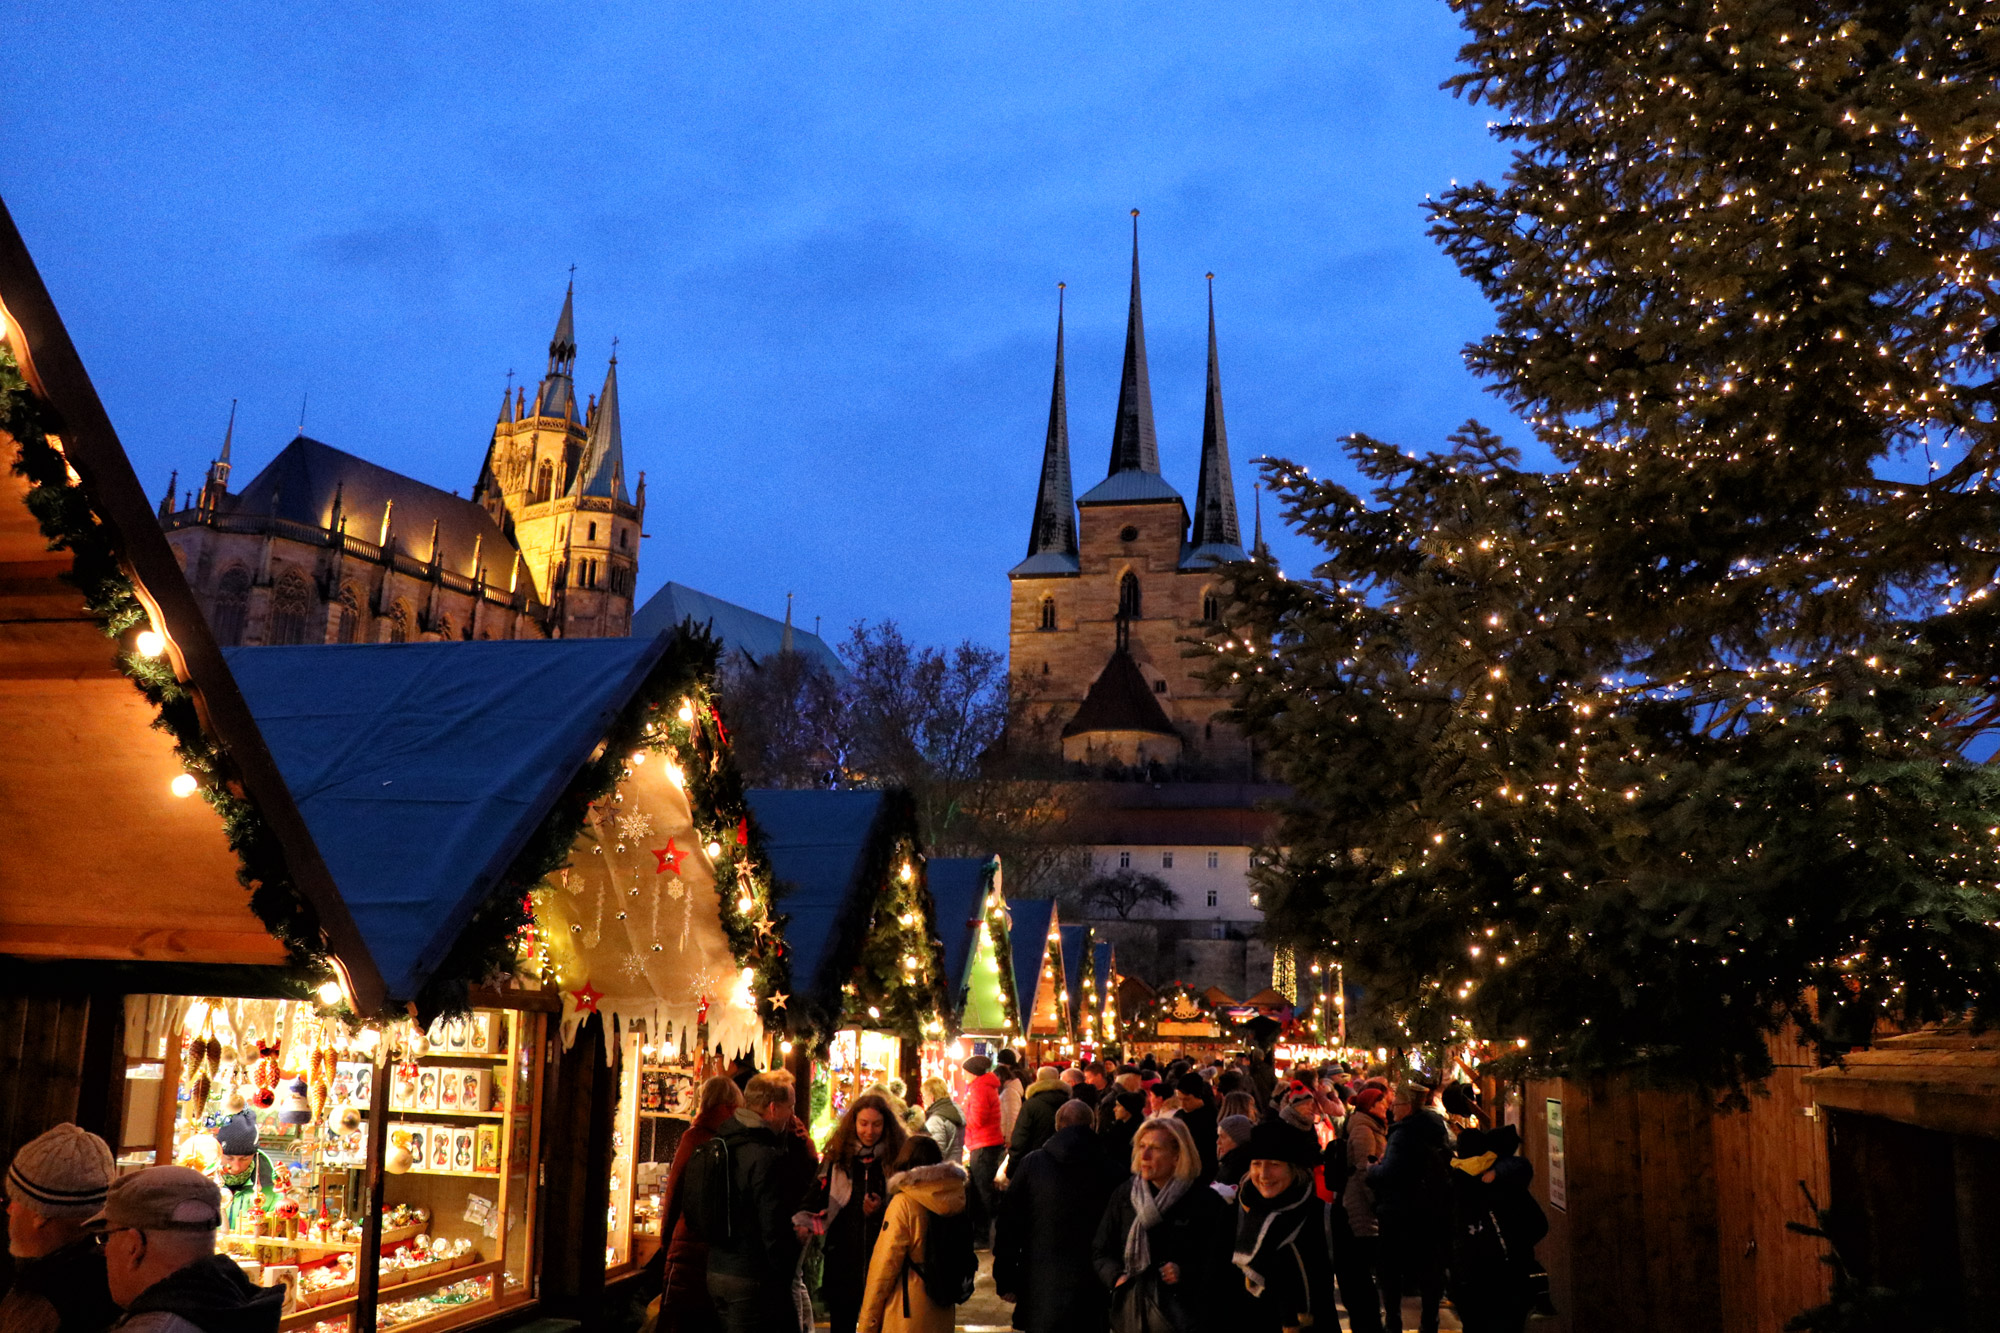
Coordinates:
[576,1166]
[1676,1211]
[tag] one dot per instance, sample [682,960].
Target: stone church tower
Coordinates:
[1115,581]
[554,480]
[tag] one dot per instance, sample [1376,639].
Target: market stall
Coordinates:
[1038,978]
[1099,1030]
[978,957]
[862,942]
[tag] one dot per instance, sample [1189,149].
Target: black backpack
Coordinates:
[949,1264]
[707,1188]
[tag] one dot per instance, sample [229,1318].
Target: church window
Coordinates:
[1048,613]
[232,599]
[1128,595]
[399,623]
[291,605]
[1159,687]
[1128,533]
[1211,606]
[545,482]
[593,532]
[349,628]
[624,536]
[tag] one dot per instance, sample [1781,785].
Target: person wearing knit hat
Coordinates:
[245,1170]
[1232,1149]
[53,1186]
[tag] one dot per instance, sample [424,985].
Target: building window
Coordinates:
[1128,596]
[291,604]
[399,623]
[1159,687]
[1211,897]
[1124,860]
[1048,613]
[593,532]
[1166,860]
[1128,533]
[623,535]
[1215,860]
[545,482]
[349,628]
[232,598]
[1211,606]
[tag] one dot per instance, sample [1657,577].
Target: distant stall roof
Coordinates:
[1100,958]
[818,843]
[1073,940]
[1030,931]
[423,768]
[958,887]
[751,633]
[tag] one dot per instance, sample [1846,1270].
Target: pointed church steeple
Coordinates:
[603,469]
[557,396]
[1135,447]
[1217,536]
[217,484]
[1257,547]
[1053,533]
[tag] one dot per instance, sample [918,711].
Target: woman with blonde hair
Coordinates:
[943,1120]
[1164,1243]
[683,1260]
[852,1189]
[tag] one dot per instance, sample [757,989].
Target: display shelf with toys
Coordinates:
[656,1100]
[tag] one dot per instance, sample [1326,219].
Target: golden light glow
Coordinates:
[183,785]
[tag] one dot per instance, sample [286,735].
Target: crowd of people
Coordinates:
[1126,1197]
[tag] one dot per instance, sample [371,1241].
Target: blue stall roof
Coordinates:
[958,887]
[1073,940]
[1101,962]
[423,768]
[818,843]
[1029,929]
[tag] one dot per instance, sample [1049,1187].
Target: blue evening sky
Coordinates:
[827,236]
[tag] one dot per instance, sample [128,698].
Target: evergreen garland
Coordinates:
[72,524]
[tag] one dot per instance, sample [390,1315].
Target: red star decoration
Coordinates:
[587,998]
[669,858]
[743,832]
[721,732]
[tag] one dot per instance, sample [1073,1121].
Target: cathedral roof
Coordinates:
[1130,488]
[603,471]
[1120,700]
[1048,563]
[301,483]
[741,630]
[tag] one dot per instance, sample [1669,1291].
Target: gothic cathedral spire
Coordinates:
[1215,522]
[1134,445]
[557,396]
[603,470]
[1054,530]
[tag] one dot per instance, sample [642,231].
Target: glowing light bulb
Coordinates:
[183,785]
[151,643]
[638,758]
[906,874]
[686,713]
[675,775]
[714,850]
[873,1012]
[745,902]
[329,992]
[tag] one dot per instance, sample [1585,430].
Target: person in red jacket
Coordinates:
[985,1145]
[680,1268]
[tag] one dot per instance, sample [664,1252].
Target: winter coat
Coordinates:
[982,1113]
[1037,1120]
[1011,1097]
[1367,1139]
[1196,1233]
[1117,1134]
[763,1245]
[1200,1123]
[684,1258]
[1294,1262]
[851,1231]
[1048,1222]
[1412,1182]
[915,1196]
[944,1122]
[1231,1166]
[208,1296]
[63,1292]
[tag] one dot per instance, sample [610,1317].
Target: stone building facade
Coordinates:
[1116,582]
[325,547]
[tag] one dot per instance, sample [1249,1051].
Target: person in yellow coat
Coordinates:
[924,1189]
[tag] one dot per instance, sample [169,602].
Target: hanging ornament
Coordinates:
[635,827]
[669,858]
[675,888]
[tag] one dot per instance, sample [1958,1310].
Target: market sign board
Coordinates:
[1558,1165]
[1172,1029]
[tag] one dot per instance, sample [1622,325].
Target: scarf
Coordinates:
[1476,1166]
[840,1179]
[1148,1211]
[1257,1218]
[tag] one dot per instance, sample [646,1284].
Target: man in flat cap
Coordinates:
[53,1186]
[158,1229]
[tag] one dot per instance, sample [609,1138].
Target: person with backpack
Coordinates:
[1497,1224]
[923,1267]
[851,1195]
[1413,1203]
[678,1273]
[738,1189]
[1041,1256]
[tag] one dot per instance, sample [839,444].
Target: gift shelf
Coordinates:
[308,1315]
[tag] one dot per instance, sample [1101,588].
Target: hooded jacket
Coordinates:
[1048,1222]
[982,1113]
[944,1122]
[1412,1182]
[763,1245]
[208,1296]
[1037,1120]
[915,1197]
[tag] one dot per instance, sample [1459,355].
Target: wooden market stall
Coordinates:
[1100,1028]
[978,957]
[1036,932]
[860,935]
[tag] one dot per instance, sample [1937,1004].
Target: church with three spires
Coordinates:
[1116,580]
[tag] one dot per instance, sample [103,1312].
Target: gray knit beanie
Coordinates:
[63,1173]
[1238,1128]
